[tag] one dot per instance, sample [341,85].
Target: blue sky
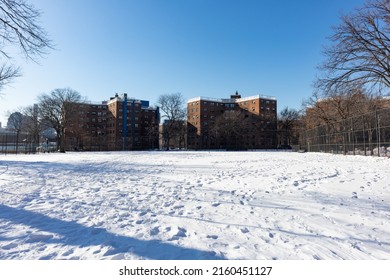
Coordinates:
[197,47]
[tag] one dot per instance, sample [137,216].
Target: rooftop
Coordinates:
[231,100]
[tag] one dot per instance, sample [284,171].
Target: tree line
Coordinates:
[354,77]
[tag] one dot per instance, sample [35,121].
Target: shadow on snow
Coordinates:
[75,234]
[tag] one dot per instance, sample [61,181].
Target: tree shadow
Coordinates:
[73,233]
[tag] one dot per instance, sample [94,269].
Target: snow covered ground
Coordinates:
[194,205]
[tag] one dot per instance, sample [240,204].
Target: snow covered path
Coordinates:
[194,205]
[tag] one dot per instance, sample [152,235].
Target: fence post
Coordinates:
[377,132]
[6,143]
[353,136]
[344,140]
[364,136]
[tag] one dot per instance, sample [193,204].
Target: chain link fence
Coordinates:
[24,143]
[10,143]
[367,134]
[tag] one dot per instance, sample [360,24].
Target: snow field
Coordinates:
[194,205]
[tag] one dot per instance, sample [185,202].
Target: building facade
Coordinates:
[120,123]
[232,123]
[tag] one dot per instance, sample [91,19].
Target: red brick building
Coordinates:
[120,123]
[232,123]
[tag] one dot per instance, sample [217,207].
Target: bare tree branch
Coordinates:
[19,26]
[7,74]
[360,53]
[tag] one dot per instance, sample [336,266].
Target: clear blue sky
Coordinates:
[197,47]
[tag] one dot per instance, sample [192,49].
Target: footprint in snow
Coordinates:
[243,202]
[10,246]
[67,253]
[182,232]
[143,213]
[154,231]
[212,236]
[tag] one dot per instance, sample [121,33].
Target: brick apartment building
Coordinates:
[120,123]
[232,123]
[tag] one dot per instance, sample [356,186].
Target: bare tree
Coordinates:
[32,125]
[15,123]
[360,52]
[59,108]
[288,122]
[19,27]
[173,112]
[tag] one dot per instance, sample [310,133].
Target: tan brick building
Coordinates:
[232,123]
